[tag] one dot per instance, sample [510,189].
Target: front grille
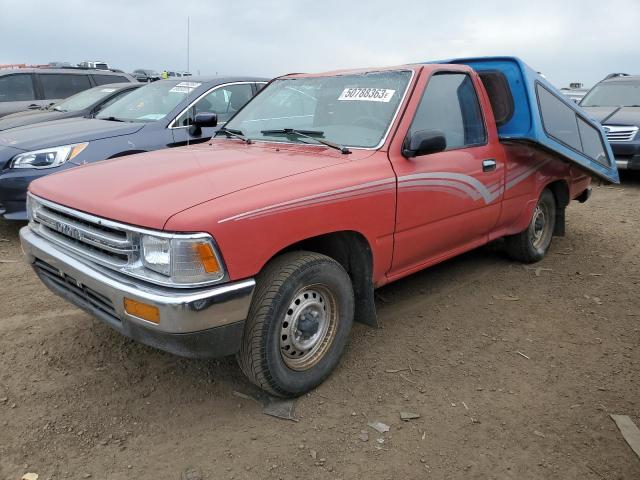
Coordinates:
[71,285]
[618,133]
[85,235]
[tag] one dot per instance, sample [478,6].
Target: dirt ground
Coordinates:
[513,371]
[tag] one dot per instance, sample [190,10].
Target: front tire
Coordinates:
[531,245]
[298,324]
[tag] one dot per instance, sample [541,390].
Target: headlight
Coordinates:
[47,157]
[184,260]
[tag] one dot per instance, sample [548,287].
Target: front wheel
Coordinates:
[532,244]
[298,324]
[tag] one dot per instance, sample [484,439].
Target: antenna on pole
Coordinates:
[188,70]
[188,134]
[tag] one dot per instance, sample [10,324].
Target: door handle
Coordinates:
[489,165]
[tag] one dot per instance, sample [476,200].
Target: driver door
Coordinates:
[447,201]
[223,100]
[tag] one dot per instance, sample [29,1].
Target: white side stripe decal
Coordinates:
[384,184]
[454,183]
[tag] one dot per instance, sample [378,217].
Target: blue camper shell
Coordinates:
[535,111]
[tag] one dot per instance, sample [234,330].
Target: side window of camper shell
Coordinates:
[563,124]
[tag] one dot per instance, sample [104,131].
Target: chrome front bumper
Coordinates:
[184,313]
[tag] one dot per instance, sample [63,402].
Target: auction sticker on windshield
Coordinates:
[367,94]
[185,87]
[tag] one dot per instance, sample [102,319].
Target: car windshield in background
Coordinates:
[349,110]
[149,103]
[613,94]
[84,99]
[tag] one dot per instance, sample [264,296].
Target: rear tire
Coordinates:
[532,244]
[298,324]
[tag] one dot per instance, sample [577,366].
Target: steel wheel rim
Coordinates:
[539,227]
[308,327]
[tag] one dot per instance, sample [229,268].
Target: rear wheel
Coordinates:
[532,244]
[298,323]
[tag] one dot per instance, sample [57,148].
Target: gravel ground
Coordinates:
[513,372]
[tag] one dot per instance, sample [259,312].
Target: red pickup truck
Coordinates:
[268,241]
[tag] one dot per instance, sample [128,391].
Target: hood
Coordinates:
[147,189]
[623,116]
[63,132]
[30,117]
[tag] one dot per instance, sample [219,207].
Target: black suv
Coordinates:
[25,88]
[615,103]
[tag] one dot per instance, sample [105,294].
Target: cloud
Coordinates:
[579,40]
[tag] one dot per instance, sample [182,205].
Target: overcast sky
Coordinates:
[568,40]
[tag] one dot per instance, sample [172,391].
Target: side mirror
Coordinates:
[424,142]
[203,120]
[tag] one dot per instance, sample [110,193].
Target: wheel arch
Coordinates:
[560,191]
[352,250]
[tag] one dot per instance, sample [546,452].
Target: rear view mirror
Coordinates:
[203,120]
[424,142]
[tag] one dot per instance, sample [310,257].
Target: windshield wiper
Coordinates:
[112,119]
[312,134]
[58,109]
[230,132]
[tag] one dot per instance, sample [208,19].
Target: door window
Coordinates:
[16,88]
[63,85]
[450,104]
[223,101]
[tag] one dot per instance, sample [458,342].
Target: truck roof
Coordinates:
[357,71]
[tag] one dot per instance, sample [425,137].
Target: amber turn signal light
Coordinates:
[207,257]
[142,310]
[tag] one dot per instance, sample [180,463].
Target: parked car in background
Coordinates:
[97,64]
[269,243]
[57,64]
[575,91]
[145,75]
[157,115]
[25,88]
[179,74]
[84,104]
[615,103]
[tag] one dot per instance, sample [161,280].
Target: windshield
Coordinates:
[613,94]
[349,110]
[149,103]
[85,99]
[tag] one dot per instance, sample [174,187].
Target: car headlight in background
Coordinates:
[47,157]
[184,260]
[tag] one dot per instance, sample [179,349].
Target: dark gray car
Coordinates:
[84,104]
[615,103]
[155,116]
[25,88]
[145,75]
